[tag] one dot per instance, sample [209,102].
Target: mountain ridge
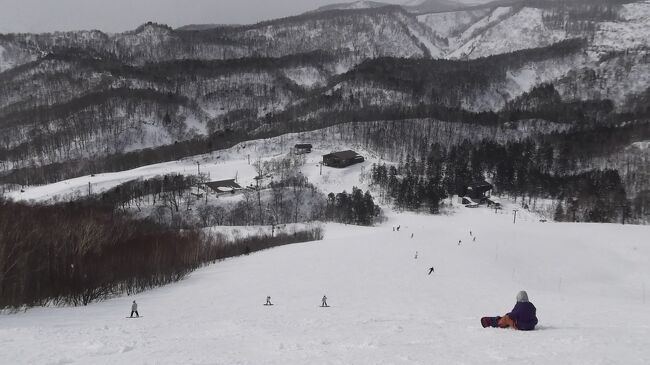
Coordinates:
[277,74]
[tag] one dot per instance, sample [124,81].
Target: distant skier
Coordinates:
[474,239]
[430,270]
[416,255]
[268,301]
[324,302]
[398,228]
[411,235]
[458,242]
[522,317]
[470,232]
[134,309]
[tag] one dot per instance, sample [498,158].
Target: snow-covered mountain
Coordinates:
[487,31]
[59,89]
[367,28]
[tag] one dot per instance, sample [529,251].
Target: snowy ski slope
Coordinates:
[587,281]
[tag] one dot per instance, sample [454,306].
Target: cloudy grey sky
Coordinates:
[120,15]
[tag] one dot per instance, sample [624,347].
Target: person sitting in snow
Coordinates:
[134,309]
[522,317]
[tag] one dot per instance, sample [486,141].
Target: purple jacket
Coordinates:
[524,315]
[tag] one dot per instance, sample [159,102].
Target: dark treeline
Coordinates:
[43,115]
[168,71]
[217,249]
[411,186]
[76,253]
[292,199]
[168,188]
[356,208]
[578,16]
[439,79]
[339,111]
[640,105]
[580,143]
[544,102]
[521,169]
[187,78]
[215,68]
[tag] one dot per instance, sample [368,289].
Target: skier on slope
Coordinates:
[522,317]
[134,309]
[324,302]
[268,300]
[430,270]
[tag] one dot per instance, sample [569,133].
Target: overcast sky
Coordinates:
[120,15]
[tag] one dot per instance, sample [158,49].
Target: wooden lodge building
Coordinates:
[342,159]
[478,191]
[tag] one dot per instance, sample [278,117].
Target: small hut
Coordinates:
[302,148]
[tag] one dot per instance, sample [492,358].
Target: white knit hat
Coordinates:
[522,296]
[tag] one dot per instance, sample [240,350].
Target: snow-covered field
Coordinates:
[587,281]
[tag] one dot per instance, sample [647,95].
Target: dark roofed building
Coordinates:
[301,148]
[478,190]
[224,186]
[342,158]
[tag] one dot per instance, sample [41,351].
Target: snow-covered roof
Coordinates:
[223,185]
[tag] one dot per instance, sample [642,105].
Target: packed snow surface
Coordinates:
[587,281]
